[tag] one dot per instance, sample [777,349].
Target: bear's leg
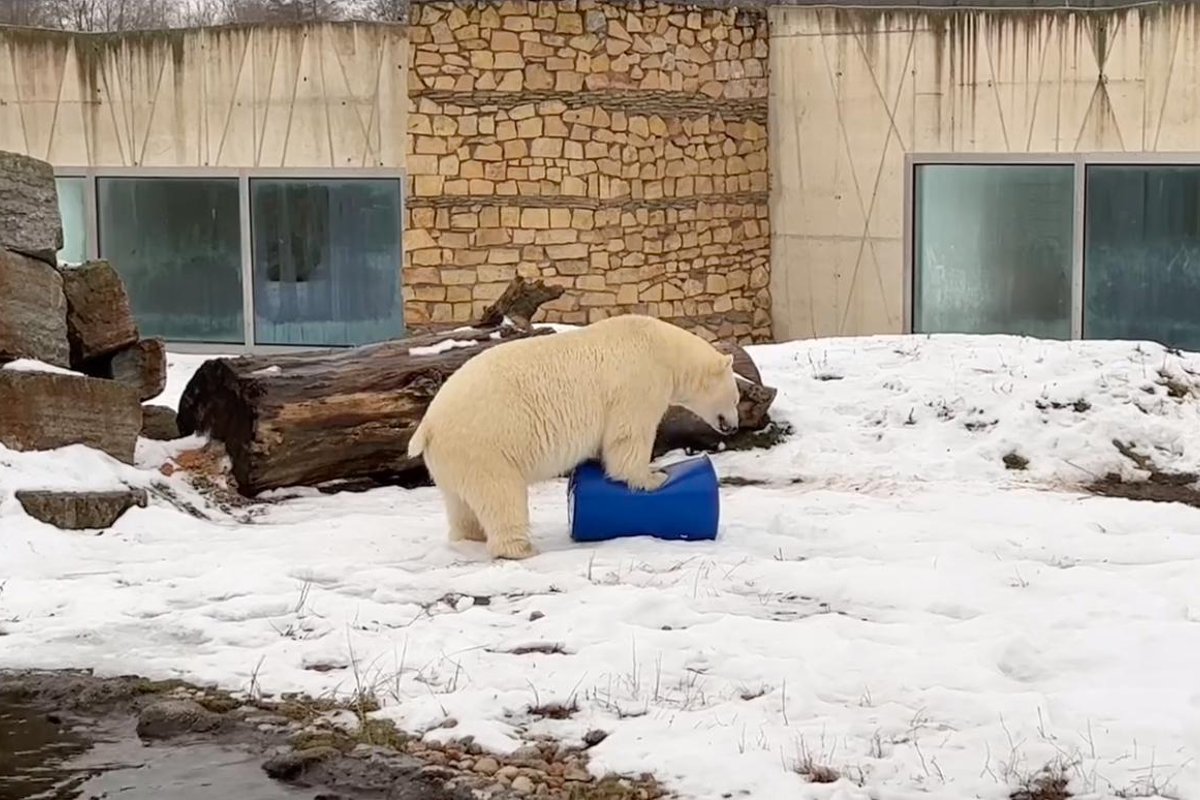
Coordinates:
[501,503]
[626,454]
[464,525]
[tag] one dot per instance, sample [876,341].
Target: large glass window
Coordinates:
[177,244]
[72,207]
[1142,254]
[327,261]
[993,249]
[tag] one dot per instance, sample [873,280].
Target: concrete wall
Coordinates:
[304,96]
[853,91]
[618,149]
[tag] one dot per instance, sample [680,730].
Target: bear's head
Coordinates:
[712,395]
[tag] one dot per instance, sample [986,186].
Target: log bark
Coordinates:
[347,416]
[314,418]
[99,317]
[519,303]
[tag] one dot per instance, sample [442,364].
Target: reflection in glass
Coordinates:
[72,207]
[177,244]
[327,261]
[993,249]
[1141,275]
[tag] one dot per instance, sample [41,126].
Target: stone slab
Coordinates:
[44,411]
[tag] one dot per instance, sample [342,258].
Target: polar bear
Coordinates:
[533,409]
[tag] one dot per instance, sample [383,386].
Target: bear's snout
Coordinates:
[725,425]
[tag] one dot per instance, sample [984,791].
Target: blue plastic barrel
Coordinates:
[687,506]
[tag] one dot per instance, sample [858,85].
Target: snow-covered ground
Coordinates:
[911,613]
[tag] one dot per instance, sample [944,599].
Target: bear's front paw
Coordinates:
[511,548]
[652,481]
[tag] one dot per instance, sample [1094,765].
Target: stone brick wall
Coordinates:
[619,149]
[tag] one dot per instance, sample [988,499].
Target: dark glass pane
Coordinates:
[72,207]
[993,249]
[327,261]
[177,244]
[1141,275]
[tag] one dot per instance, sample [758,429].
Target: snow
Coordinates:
[440,347]
[890,602]
[33,365]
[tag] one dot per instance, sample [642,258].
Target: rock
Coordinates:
[522,784]
[44,411]
[594,737]
[170,718]
[99,317]
[158,423]
[487,766]
[142,366]
[290,766]
[577,774]
[33,310]
[29,220]
[71,510]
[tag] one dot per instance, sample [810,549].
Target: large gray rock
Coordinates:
[33,311]
[72,510]
[99,317]
[141,366]
[159,423]
[29,218]
[44,411]
[170,718]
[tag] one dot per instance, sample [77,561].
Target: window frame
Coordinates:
[243,176]
[1079,161]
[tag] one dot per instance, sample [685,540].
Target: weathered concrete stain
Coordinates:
[168,96]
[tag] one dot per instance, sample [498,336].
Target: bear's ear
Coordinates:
[725,363]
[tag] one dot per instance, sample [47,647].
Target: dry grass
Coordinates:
[1049,784]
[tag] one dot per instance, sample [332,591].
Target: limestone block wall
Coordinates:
[618,149]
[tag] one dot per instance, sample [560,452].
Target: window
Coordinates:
[177,244]
[72,207]
[1142,254]
[241,258]
[993,249]
[326,261]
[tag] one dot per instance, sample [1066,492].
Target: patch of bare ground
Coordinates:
[1159,486]
[307,742]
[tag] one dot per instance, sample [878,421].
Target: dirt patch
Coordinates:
[1159,486]
[1155,489]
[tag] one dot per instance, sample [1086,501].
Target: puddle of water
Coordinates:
[45,758]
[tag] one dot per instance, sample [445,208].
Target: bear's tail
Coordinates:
[416,445]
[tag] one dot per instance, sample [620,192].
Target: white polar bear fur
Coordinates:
[533,409]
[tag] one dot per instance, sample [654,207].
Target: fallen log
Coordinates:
[347,416]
